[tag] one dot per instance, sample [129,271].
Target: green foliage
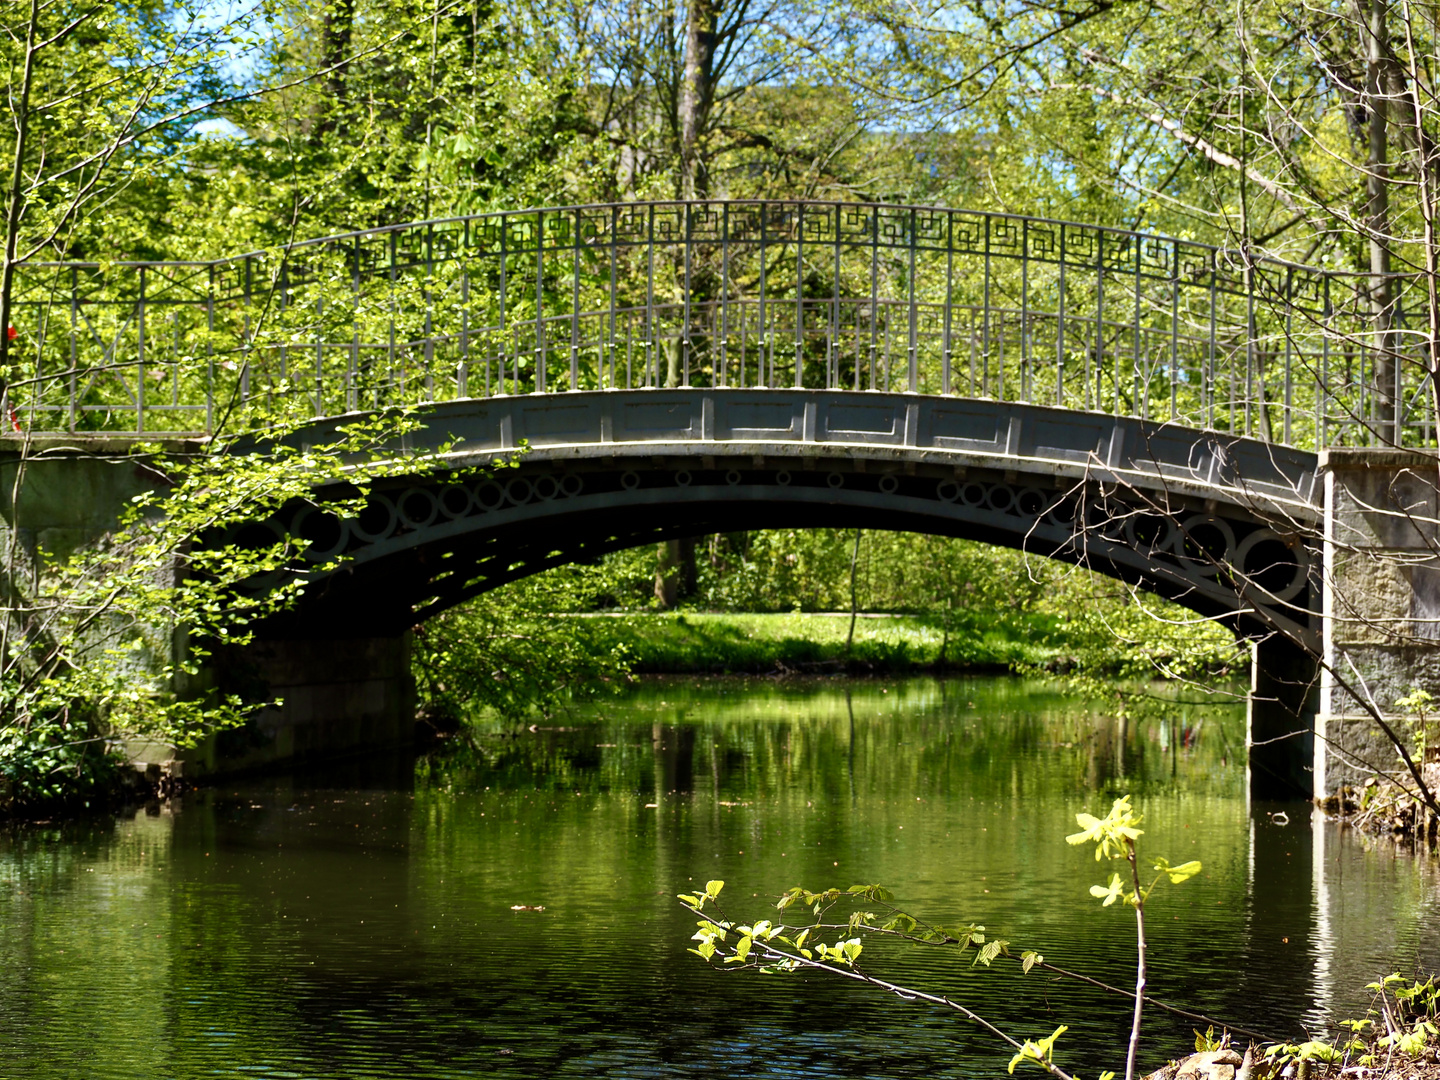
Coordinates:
[53,759]
[1420,703]
[99,650]
[1039,1051]
[1114,837]
[507,653]
[848,917]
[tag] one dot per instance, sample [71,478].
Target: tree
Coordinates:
[95,642]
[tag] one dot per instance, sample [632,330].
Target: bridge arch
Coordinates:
[1215,523]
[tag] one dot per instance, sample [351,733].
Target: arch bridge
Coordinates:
[1147,406]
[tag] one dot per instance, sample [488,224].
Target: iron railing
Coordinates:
[716,294]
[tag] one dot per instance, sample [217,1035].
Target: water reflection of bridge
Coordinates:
[1148,406]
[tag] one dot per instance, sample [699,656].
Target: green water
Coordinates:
[363,926]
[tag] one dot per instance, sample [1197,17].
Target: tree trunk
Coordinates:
[15,196]
[854,605]
[336,25]
[1386,403]
[674,571]
[697,95]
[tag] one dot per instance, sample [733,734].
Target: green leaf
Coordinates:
[1109,894]
[991,950]
[1180,873]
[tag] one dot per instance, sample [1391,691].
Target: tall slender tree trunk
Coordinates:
[337,23]
[1386,404]
[15,196]
[697,95]
[1428,174]
[14,216]
[675,571]
[854,605]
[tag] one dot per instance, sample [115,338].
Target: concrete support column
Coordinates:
[1381,606]
[337,698]
[1280,719]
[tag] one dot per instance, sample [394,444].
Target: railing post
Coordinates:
[74,347]
[1322,413]
[722,374]
[874,286]
[614,272]
[652,360]
[1139,372]
[1175,330]
[210,353]
[686,226]
[462,366]
[799,295]
[946,344]
[985,326]
[1060,327]
[539,302]
[1026,378]
[430,312]
[832,346]
[761,379]
[575,305]
[914,360]
[140,358]
[1289,337]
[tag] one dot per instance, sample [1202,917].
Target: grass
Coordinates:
[717,643]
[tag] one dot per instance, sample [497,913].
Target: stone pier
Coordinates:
[1381,607]
[332,698]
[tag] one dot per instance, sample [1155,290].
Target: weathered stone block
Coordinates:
[1381,606]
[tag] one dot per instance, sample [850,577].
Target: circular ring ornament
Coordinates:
[889,485]
[1000,497]
[630,480]
[545,488]
[835,480]
[1030,502]
[571,485]
[489,495]
[1261,575]
[683,478]
[1063,511]
[376,520]
[732,477]
[327,533]
[1205,543]
[973,494]
[1150,532]
[518,491]
[255,535]
[947,491]
[455,501]
[417,508]
[783,478]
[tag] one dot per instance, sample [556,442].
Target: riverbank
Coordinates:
[1382,808]
[978,642]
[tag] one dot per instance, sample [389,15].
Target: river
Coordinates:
[509,911]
